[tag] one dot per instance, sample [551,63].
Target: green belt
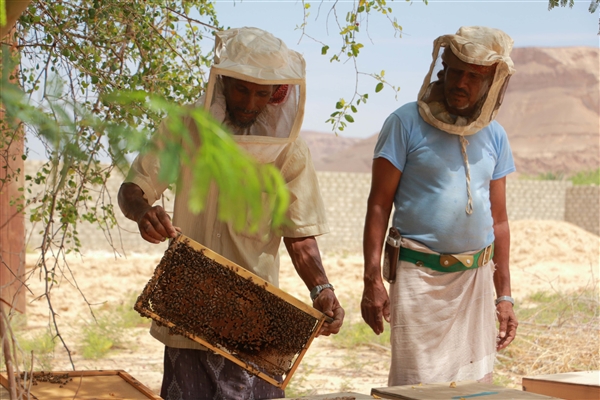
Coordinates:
[448,262]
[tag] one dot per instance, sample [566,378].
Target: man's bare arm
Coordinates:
[153,222]
[506,316]
[375,304]
[306,258]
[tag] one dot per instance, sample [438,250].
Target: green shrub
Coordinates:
[358,333]
[129,318]
[586,178]
[100,336]
[42,345]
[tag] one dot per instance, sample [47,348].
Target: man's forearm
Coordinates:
[374,235]
[306,258]
[501,259]
[132,202]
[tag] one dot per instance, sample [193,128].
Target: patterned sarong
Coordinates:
[197,374]
[443,325]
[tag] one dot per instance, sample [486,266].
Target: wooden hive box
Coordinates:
[570,385]
[332,396]
[455,391]
[201,295]
[82,385]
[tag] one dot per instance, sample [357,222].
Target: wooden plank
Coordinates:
[109,384]
[138,385]
[333,396]
[582,385]
[465,389]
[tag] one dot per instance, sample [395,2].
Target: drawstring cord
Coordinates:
[463,148]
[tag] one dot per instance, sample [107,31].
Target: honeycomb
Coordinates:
[197,297]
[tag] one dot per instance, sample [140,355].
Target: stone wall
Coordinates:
[345,197]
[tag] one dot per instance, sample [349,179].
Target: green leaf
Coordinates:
[324,49]
[379,87]
[349,118]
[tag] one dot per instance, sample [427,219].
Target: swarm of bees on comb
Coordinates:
[213,304]
[36,377]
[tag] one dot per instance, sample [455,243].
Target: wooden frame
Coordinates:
[568,385]
[144,391]
[255,279]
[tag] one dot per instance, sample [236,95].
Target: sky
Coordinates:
[406,58]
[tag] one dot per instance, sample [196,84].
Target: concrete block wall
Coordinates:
[584,207]
[345,197]
[534,199]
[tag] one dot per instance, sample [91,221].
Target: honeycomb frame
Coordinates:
[230,311]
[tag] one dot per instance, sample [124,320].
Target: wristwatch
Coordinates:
[505,298]
[314,293]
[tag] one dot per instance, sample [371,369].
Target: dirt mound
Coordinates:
[552,255]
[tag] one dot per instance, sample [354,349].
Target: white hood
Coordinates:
[474,45]
[253,55]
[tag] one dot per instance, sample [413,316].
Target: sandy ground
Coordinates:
[545,255]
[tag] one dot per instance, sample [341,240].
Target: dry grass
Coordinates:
[557,333]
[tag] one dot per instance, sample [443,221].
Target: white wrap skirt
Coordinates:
[443,324]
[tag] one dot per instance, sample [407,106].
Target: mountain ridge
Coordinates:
[550,114]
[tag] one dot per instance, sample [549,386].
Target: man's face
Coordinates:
[464,84]
[245,100]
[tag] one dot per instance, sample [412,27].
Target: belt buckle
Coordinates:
[486,255]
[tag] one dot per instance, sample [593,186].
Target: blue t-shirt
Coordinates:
[431,198]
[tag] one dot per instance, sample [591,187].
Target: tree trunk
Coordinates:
[12,221]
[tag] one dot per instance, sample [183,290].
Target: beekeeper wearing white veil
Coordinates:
[257,90]
[441,163]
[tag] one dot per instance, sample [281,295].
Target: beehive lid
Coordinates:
[201,295]
[454,391]
[333,396]
[59,385]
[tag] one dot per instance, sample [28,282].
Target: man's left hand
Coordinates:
[508,323]
[328,304]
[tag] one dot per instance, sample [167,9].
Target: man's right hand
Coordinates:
[375,305]
[155,225]
[153,222]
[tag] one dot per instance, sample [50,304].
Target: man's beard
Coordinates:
[243,125]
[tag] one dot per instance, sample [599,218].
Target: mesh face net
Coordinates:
[479,51]
[243,108]
[255,61]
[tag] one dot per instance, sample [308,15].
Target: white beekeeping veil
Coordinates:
[479,46]
[256,56]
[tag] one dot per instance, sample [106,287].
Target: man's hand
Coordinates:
[155,225]
[328,304]
[153,222]
[508,323]
[375,305]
